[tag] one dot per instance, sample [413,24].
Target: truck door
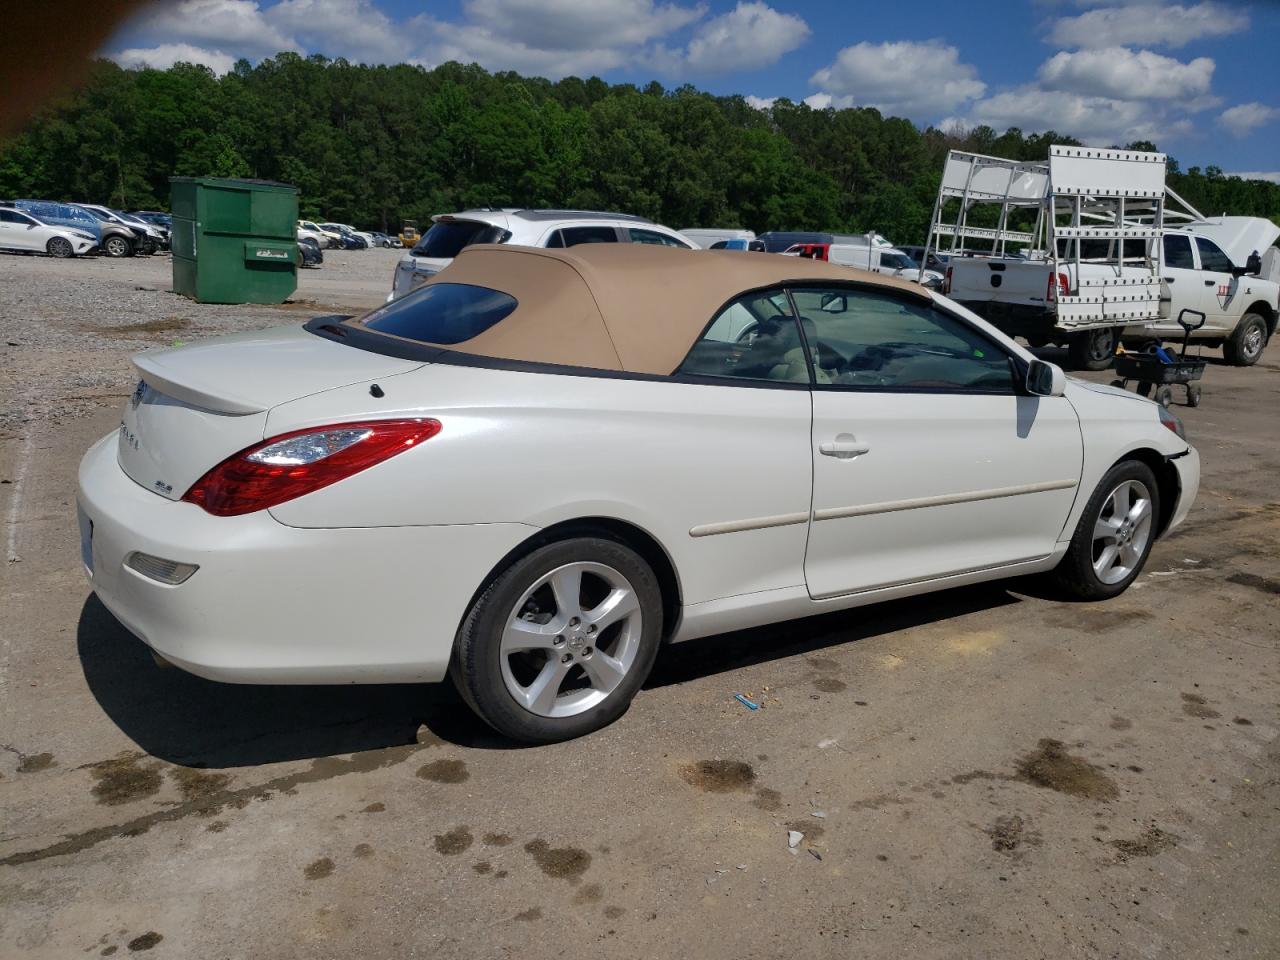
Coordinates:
[1185,283]
[1218,287]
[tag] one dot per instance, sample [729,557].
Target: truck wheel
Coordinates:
[1092,349]
[1244,347]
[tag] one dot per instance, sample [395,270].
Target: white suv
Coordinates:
[450,232]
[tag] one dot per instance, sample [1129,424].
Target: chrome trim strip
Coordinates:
[893,506]
[752,523]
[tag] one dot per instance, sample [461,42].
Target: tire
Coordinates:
[1245,345]
[1119,384]
[1193,395]
[117,247]
[595,674]
[1144,388]
[1083,573]
[1164,395]
[60,247]
[1092,349]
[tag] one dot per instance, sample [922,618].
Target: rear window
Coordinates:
[447,238]
[441,313]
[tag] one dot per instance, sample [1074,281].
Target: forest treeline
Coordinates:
[372,145]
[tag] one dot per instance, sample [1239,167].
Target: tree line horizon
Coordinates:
[376,145]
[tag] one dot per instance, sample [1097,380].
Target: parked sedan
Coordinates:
[27,234]
[539,467]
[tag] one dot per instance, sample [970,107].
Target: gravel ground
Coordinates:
[70,326]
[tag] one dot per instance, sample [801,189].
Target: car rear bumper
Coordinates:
[1188,467]
[277,604]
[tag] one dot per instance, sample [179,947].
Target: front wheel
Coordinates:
[1092,349]
[560,642]
[1245,345]
[1114,536]
[60,247]
[117,247]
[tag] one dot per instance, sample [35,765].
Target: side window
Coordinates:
[876,341]
[556,240]
[1212,257]
[655,238]
[754,338]
[1177,251]
[8,216]
[572,236]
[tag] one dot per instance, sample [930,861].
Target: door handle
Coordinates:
[1211,283]
[843,449]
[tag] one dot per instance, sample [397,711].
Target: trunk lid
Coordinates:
[195,406]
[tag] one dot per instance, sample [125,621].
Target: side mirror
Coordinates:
[1253,265]
[1045,379]
[834,303]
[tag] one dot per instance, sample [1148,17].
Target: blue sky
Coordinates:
[1192,76]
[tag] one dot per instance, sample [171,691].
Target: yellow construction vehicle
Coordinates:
[409,233]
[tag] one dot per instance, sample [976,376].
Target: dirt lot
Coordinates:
[980,773]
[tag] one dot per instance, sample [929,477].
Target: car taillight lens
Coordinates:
[303,461]
[946,281]
[1058,286]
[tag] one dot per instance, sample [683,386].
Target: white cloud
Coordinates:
[1124,74]
[1271,175]
[1244,118]
[574,25]
[750,35]
[760,103]
[1095,120]
[165,55]
[354,29]
[1148,24]
[237,25]
[819,101]
[902,77]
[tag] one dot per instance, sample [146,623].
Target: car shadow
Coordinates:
[189,721]
[695,659]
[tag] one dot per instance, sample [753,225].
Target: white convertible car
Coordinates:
[535,470]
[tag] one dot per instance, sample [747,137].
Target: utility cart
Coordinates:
[1150,369]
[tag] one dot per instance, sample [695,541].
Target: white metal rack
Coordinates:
[1080,194]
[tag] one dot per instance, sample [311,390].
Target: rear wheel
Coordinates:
[560,642]
[1164,395]
[60,247]
[1114,536]
[1193,395]
[1092,349]
[117,247]
[1245,345]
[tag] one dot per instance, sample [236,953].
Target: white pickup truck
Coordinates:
[1206,267]
[1104,259]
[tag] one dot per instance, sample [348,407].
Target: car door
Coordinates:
[20,232]
[929,459]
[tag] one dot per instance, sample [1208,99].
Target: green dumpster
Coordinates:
[234,241]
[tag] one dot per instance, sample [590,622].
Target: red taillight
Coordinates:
[241,484]
[1058,286]
[946,281]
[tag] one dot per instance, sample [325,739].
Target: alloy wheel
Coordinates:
[1122,531]
[571,639]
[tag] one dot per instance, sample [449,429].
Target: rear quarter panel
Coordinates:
[540,448]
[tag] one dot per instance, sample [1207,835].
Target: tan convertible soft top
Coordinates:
[628,307]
